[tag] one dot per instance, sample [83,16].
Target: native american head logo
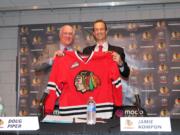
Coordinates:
[86,81]
[1,122]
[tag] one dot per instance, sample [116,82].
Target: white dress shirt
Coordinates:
[104,49]
[61,47]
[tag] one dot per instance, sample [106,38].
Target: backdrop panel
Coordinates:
[152,51]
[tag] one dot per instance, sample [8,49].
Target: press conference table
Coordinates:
[112,127]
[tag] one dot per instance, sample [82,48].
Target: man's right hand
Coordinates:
[58,53]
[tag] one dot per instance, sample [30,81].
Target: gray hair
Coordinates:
[66,25]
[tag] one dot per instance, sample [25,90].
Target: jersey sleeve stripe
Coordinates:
[53,86]
[117,82]
[118,85]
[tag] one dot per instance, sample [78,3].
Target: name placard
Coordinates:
[57,119]
[145,124]
[19,123]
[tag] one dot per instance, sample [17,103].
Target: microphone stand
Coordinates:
[41,105]
[138,103]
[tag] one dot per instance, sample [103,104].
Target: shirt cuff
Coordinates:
[121,68]
[50,61]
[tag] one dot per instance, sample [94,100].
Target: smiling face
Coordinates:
[66,35]
[100,31]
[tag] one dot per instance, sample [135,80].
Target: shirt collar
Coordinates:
[105,47]
[63,46]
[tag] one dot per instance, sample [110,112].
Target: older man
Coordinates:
[66,39]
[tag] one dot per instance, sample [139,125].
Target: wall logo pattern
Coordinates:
[152,51]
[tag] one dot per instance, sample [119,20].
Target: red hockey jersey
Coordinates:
[75,80]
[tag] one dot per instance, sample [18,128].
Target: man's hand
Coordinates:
[58,53]
[117,58]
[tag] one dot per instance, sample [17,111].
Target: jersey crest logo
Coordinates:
[86,81]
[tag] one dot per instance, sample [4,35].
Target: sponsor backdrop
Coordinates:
[152,51]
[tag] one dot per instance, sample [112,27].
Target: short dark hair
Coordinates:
[100,21]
